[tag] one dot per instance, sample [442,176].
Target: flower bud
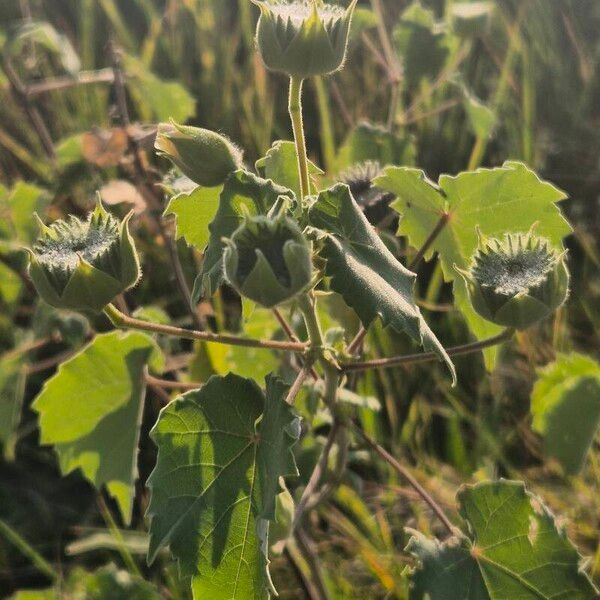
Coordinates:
[204,156]
[518,281]
[268,260]
[303,38]
[83,265]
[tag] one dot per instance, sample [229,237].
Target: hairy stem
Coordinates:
[295,110]
[121,320]
[384,363]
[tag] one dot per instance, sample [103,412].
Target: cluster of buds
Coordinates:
[517,281]
[268,260]
[303,38]
[83,265]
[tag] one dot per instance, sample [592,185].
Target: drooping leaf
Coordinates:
[365,272]
[157,100]
[104,387]
[508,198]
[281,165]
[221,451]
[193,213]
[370,142]
[12,390]
[513,549]
[242,194]
[565,404]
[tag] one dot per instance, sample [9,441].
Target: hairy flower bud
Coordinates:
[517,281]
[268,260]
[83,265]
[303,38]
[204,156]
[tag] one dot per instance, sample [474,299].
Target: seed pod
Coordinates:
[268,260]
[204,156]
[517,281]
[83,265]
[303,38]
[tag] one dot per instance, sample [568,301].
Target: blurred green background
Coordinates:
[461,84]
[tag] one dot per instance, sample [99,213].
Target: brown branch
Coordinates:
[405,474]
[441,224]
[287,328]
[123,321]
[19,92]
[149,192]
[298,383]
[384,363]
[168,384]
[54,84]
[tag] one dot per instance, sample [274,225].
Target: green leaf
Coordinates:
[281,165]
[514,549]
[365,272]
[193,213]
[103,387]
[12,391]
[509,198]
[10,286]
[243,194]
[565,404]
[157,100]
[368,141]
[481,117]
[17,206]
[221,451]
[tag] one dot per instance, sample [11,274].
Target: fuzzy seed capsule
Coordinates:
[83,265]
[268,260]
[303,38]
[204,156]
[517,281]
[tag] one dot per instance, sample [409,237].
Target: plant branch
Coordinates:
[441,224]
[295,110]
[384,363]
[168,384]
[287,328]
[298,383]
[149,192]
[316,475]
[121,320]
[406,475]
[20,94]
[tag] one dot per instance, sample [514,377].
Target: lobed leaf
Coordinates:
[514,549]
[365,272]
[221,451]
[508,198]
[104,387]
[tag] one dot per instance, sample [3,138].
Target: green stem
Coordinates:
[332,375]
[121,320]
[295,110]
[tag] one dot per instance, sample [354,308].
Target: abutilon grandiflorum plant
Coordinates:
[225,447]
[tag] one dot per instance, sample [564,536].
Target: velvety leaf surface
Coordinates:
[104,387]
[365,272]
[221,451]
[243,194]
[565,404]
[508,198]
[514,550]
[193,213]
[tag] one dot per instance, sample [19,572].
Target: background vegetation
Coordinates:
[460,85]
